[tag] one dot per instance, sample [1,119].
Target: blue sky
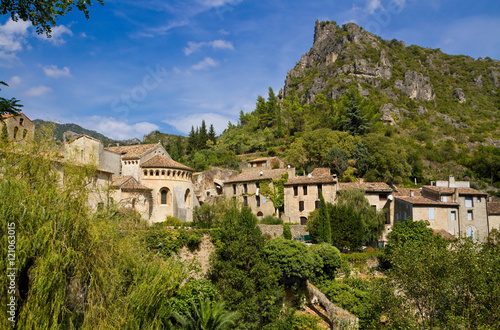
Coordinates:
[137,66]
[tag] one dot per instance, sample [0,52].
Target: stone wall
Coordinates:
[339,318]
[274,231]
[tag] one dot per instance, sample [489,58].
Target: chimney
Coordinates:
[412,193]
[451,181]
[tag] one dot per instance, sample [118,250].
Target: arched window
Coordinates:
[16,130]
[157,173]
[187,198]
[151,172]
[145,173]
[21,120]
[260,214]
[25,132]
[303,220]
[165,196]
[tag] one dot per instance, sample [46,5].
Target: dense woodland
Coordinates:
[109,270]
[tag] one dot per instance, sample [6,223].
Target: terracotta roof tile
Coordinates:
[318,176]
[420,200]
[406,192]
[164,162]
[132,152]
[493,208]
[461,191]
[127,183]
[366,186]
[255,175]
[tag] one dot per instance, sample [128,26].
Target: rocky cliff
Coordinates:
[405,83]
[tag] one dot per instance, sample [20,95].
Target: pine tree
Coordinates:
[203,136]
[192,145]
[211,134]
[354,121]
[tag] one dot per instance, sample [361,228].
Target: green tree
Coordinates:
[331,260]
[276,192]
[292,259]
[43,14]
[325,229]
[337,160]
[207,315]
[287,232]
[353,120]
[211,134]
[241,272]
[8,106]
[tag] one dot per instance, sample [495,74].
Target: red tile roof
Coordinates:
[164,162]
[406,192]
[493,208]
[366,186]
[319,175]
[127,183]
[255,175]
[420,200]
[461,191]
[132,152]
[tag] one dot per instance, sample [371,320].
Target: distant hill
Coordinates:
[60,129]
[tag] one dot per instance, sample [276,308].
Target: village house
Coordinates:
[244,187]
[17,128]
[450,206]
[302,194]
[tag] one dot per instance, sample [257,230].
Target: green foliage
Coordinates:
[292,259]
[8,106]
[207,315]
[276,193]
[241,273]
[76,269]
[43,14]
[166,241]
[287,232]
[330,261]
[271,220]
[351,221]
[173,221]
[353,119]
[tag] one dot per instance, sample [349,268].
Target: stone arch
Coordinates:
[165,196]
[260,214]
[151,173]
[163,173]
[157,172]
[145,173]
[168,174]
[187,198]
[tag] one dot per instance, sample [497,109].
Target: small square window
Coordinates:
[468,201]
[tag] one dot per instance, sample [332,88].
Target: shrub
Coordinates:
[173,221]
[287,232]
[270,220]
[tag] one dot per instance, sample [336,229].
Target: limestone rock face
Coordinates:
[459,94]
[390,113]
[416,86]
[421,110]
[495,75]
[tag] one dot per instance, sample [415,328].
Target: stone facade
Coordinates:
[145,178]
[18,128]
[302,194]
[245,188]
[493,213]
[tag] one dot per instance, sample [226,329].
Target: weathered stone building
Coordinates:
[302,194]
[17,128]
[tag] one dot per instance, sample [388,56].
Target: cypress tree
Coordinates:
[325,234]
[211,134]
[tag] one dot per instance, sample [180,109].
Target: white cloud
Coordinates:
[372,5]
[53,71]
[119,130]
[183,124]
[218,3]
[205,64]
[57,35]
[216,44]
[12,39]
[38,91]
[14,81]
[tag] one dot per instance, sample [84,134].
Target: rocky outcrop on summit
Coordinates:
[416,86]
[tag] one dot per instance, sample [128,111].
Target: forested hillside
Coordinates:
[378,109]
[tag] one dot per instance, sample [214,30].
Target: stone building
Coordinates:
[209,184]
[140,177]
[245,188]
[17,128]
[378,194]
[493,206]
[458,211]
[302,194]
[264,163]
